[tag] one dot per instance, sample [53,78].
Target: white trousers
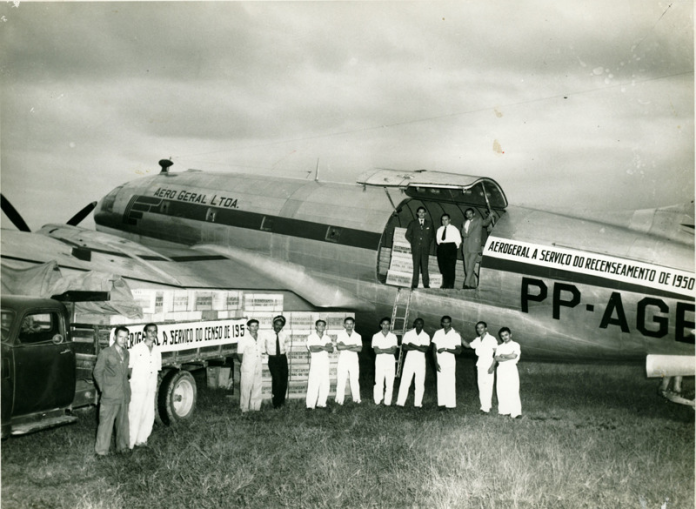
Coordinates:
[250,387]
[318,383]
[413,367]
[385,371]
[348,367]
[141,412]
[508,390]
[485,387]
[446,386]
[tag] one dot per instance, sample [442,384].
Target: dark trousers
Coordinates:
[420,261]
[112,413]
[278,366]
[447,261]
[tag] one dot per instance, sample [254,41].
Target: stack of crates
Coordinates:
[401,265]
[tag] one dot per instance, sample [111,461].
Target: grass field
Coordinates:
[590,437]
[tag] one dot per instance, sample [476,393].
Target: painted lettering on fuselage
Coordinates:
[650,316]
[581,264]
[182,195]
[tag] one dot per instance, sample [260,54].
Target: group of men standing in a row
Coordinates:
[446,345]
[420,233]
[127,380]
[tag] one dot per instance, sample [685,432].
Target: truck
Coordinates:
[48,359]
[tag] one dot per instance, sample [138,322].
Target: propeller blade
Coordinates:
[77,218]
[13,215]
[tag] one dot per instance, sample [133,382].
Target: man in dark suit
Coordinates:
[111,375]
[420,234]
[471,243]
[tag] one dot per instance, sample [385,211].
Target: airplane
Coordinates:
[606,286]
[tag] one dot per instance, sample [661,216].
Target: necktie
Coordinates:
[277,344]
[421,222]
[444,233]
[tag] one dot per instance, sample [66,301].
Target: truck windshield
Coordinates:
[6,318]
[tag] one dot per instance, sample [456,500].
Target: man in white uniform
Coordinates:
[349,343]
[249,351]
[384,343]
[318,383]
[145,361]
[448,343]
[415,342]
[508,386]
[484,345]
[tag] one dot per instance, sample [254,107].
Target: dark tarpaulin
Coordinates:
[47,279]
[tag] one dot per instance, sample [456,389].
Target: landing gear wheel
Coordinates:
[176,398]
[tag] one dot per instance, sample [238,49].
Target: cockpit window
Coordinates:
[109,199]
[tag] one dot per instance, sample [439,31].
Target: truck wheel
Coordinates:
[176,397]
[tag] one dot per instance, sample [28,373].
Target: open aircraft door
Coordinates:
[440,193]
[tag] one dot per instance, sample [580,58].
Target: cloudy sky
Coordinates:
[582,104]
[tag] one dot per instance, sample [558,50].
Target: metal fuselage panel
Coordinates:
[335,231]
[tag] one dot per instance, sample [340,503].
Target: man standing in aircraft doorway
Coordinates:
[484,345]
[277,347]
[349,344]
[448,344]
[448,240]
[419,234]
[471,247]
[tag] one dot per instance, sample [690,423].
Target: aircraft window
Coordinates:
[210,215]
[333,233]
[109,199]
[267,224]
[38,328]
[6,323]
[164,207]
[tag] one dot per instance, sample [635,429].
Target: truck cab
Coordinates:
[38,365]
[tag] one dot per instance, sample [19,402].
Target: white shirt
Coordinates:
[415,339]
[379,340]
[144,363]
[269,339]
[250,349]
[314,340]
[466,225]
[452,339]
[485,349]
[453,235]
[508,348]
[354,339]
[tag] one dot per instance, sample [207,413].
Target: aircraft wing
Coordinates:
[206,266]
[77,249]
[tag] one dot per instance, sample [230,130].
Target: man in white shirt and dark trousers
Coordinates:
[448,344]
[415,343]
[384,343]
[318,383]
[484,345]
[276,348]
[145,361]
[448,240]
[349,344]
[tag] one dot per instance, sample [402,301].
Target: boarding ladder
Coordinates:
[399,321]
